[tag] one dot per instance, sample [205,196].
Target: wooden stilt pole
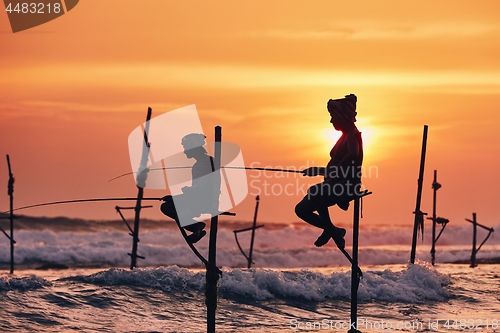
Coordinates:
[418,214]
[475,248]
[434,199]
[474,235]
[212,274]
[11,216]
[140,195]
[435,219]
[354,270]
[254,225]
[252,228]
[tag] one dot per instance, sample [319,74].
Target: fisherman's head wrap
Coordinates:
[343,109]
[193,140]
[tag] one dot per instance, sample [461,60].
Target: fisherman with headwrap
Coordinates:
[199,198]
[342,175]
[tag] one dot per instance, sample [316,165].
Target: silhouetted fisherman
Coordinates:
[342,175]
[199,198]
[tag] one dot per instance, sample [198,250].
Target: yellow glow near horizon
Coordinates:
[367,132]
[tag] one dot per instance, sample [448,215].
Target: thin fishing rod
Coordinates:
[223,167]
[264,169]
[79,200]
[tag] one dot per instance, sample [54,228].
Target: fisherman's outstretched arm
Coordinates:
[314,171]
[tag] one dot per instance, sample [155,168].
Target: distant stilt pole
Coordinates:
[253,231]
[212,274]
[435,219]
[435,186]
[474,235]
[434,193]
[140,195]
[418,214]
[11,216]
[252,228]
[354,269]
[475,249]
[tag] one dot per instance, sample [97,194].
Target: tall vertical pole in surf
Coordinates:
[212,274]
[141,183]
[419,219]
[435,219]
[11,215]
[254,226]
[474,235]
[435,187]
[354,270]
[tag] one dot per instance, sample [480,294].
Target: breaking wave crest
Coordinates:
[23,283]
[415,284]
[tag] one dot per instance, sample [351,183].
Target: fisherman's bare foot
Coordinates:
[195,226]
[196,236]
[338,237]
[197,232]
[323,238]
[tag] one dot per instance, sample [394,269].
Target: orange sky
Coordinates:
[74,88]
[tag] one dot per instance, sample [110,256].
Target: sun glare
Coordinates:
[331,136]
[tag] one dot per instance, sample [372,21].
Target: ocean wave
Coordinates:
[415,284]
[23,283]
[283,248]
[172,278]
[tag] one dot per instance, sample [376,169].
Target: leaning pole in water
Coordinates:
[212,274]
[140,194]
[419,218]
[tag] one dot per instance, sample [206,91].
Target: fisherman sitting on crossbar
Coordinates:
[342,175]
[199,198]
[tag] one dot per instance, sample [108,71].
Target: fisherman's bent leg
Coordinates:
[168,207]
[305,210]
[181,204]
[316,194]
[322,197]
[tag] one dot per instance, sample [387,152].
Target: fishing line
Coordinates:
[222,167]
[79,200]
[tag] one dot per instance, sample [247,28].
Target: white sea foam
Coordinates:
[285,247]
[415,284]
[23,283]
[172,278]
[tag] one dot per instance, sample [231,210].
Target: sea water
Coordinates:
[293,287]
[406,298]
